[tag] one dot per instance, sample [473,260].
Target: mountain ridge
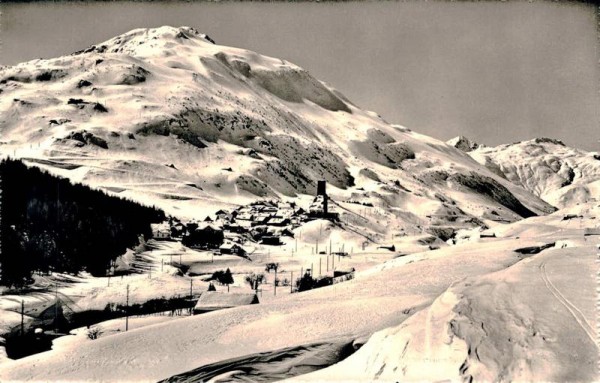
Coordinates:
[167,116]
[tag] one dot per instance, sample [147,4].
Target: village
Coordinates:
[256,233]
[264,222]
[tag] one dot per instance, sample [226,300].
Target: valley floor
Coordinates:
[478,309]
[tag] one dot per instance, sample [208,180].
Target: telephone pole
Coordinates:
[127,310]
[56,307]
[192,294]
[22,317]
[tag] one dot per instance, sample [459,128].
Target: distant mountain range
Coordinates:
[560,175]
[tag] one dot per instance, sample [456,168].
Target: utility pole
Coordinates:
[320,259]
[22,317]
[192,294]
[292,283]
[275,282]
[127,310]
[56,307]
[162,265]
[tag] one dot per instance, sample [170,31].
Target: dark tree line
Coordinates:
[49,224]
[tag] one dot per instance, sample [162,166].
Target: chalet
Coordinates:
[205,236]
[278,222]
[342,272]
[232,248]
[235,228]
[262,219]
[161,230]
[222,214]
[178,229]
[213,300]
[269,209]
[271,240]
[245,217]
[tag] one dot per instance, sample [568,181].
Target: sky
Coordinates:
[496,72]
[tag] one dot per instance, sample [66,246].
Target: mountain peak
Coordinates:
[464,144]
[141,40]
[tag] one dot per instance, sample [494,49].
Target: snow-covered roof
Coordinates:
[213,300]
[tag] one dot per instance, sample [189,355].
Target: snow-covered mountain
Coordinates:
[560,175]
[464,144]
[167,117]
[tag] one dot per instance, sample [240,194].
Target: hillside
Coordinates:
[560,175]
[166,117]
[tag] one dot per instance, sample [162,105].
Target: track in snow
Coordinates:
[577,314]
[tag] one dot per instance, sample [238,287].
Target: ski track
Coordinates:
[577,314]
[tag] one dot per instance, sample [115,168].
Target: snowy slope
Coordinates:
[533,321]
[166,117]
[477,309]
[560,175]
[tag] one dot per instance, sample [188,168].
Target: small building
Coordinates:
[262,218]
[278,222]
[204,236]
[271,240]
[342,272]
[214,300]
[161,230]
[235,228]
[245,217]
[232,248]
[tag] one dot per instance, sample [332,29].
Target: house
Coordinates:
[204,236]
[271,240]
[208,219]
[278,222]
[232,248]
[222,214]
[178,229]
[161,230]
[262,219]
[342,272]
[214,300]
[235,228]
[270,209]
[245,217]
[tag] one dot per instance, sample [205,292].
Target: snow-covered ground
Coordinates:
[476,309]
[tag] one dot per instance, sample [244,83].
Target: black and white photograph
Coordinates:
[299,191]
